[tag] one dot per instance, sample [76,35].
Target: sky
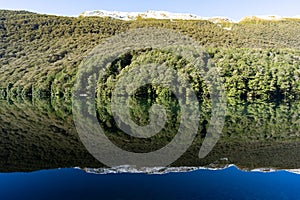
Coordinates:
[234,9]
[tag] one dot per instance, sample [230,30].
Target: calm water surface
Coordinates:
[229,183]
[37,138]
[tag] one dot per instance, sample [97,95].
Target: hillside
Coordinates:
[39,54]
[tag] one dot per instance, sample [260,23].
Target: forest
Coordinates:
[259,60]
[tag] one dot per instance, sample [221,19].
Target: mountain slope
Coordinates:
[39,54]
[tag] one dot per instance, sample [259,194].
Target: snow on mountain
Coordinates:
[270,17]
[172,16]
[152,15]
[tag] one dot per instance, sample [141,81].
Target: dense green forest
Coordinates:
[40,54]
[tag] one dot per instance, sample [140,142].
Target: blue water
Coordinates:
[73,184]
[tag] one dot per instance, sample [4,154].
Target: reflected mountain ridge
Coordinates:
[167,170]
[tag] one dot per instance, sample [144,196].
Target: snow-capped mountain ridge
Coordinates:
[173,16]
[151,15]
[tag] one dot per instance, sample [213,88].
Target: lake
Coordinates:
[229,183]
[40,149]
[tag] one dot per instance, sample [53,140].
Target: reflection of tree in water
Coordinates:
[139,106]
[41,134]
